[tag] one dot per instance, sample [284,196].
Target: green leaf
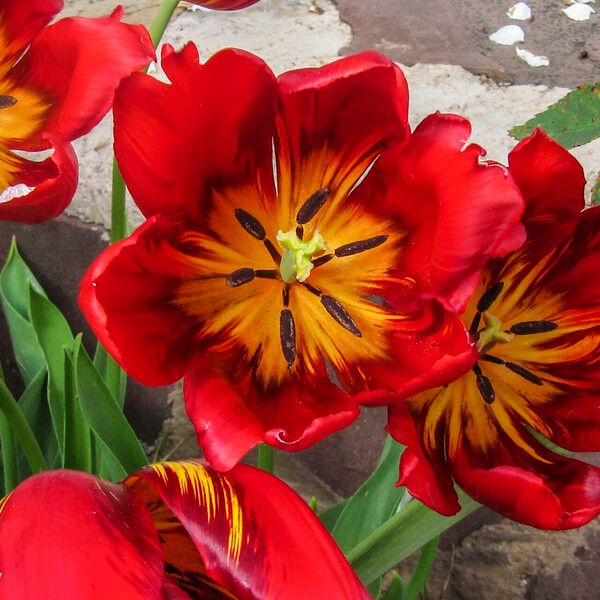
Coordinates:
[16,280]
[114,377]
[374,502]
[572,121]
[10,463]
[395,590]
[21,432]
[104,416]
[402,535]
[78,442]
[34,404]
[330,515]
[418,579]
[53,334]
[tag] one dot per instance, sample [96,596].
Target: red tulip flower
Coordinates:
[56,83]
[266,270]
[535,321]
[223,4]
[172,531]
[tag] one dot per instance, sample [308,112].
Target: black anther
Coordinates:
[312,206]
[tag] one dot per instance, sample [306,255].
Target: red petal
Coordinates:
[231,416]
[334,121]
[70,535]
[77,64]
[458,211]
[256,537]
[214,124]
[575,422]
[20,22]
[427,480]
[224,4]
[126,297]
[54,181]
[552,183]
[435,353]
[560,494]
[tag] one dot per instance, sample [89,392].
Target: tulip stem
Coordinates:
[266,458]
[161,20]
[402,534]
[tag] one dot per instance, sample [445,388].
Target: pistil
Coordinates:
[296,262]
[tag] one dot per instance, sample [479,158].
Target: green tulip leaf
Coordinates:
[572,121]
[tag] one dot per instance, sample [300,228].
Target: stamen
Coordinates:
[321,260]
[489,296]
[529,327]
[312,206]
[272,251]
[361,246]
[286,295]
[476,369]
[475,323]
[312,288]
[492,359]
[266,273]
[240,277]
[6,101]
[340,314]
[251,224]
[287,332]
[484,385]
[300,231]
[524,373]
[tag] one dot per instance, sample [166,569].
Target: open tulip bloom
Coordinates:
[57,82]
[172,531]
[535,373]
[267,274]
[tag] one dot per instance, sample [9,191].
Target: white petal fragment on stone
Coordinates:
[531,59]
[15,191]
[519,12]
[578,11]
[582,1]
[508,35]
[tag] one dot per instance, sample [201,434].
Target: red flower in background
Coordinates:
[535,318]
[223,4]
[269,268]
[172,531]
[56,83]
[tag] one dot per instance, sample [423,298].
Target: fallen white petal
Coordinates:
[531,59]
[508,35]
[582,1]
[519,12]
[15,191]
[578,11]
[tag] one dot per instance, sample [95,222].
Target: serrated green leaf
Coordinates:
[572,121]
[374,502]
[104,415]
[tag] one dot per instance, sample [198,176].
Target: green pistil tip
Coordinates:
[492,334]
[296,262]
